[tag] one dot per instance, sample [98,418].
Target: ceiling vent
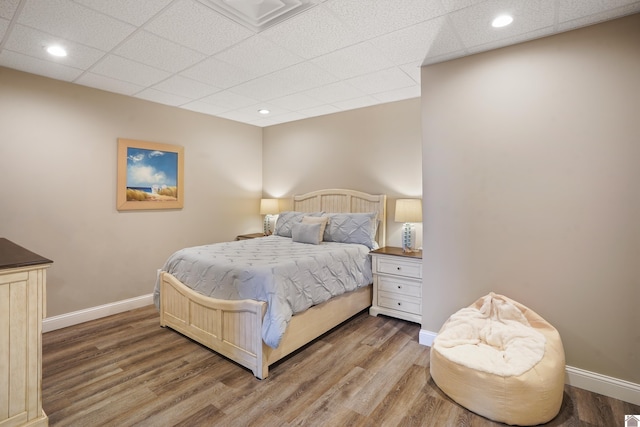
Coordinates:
[258,15]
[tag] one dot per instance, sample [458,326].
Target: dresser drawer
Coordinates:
[399,286]
[398,267]
[399,302]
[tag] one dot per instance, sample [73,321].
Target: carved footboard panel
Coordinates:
[231,328]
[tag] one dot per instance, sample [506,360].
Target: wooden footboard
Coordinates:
[233,328]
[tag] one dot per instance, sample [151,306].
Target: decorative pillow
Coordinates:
[352,228]
[322,220]
[306,233]
[287,219]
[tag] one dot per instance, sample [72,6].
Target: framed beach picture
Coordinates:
[150,175]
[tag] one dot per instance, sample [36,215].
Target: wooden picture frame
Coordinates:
[150,175]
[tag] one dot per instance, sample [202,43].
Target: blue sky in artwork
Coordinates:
[146,168]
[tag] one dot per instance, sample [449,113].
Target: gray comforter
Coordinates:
[289,276]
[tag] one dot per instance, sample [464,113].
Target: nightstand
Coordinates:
[397,283]
[249,236]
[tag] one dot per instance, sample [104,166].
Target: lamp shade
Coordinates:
[269,206]
[408,210]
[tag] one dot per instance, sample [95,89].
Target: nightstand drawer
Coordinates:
[398,267]
[399,302]
[399,286]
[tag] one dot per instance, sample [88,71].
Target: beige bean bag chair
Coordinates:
[500,360]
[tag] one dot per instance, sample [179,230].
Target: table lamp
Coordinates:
[408,211]
[268,208]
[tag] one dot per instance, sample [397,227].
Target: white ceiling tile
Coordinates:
[282,118]
[399,94]
[434,37]
[134,12]
[204,108]
[453,5]
[162,97]
[473,24]
[313,33]
[252,110]
[129,71]
[296,101]
[446,57]
[290,80]
[4,25]
[218,73]
[229,100]
[72,21]
[373,18]
[33,65]
[382,81]
[33,43]
[179,85]
[335,92]
[353,61]
[571,24]
[413,70]
[8,8]
[108,84]
[238,116]
[320,111]
[157,52]
[258,53]
[193,25]
[351,104]
[512,40]
[574,9]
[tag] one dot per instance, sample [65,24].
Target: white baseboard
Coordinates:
[602,384]
[426,337]
[576,377]
[81,316]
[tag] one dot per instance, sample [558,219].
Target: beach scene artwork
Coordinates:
[152,175]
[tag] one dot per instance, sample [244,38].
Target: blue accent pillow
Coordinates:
[286,220]
[306,233]
[352,228]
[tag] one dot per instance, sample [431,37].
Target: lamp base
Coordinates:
[407,238]
[266,225]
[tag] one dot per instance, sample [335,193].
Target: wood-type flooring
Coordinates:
[125,370]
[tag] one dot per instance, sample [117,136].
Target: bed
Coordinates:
[234,327]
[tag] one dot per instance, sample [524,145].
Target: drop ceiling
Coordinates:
[230,58]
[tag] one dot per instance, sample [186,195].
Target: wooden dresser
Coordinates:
[22,308]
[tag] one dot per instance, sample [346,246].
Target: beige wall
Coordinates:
[531,160]
[374,149]
[58,165]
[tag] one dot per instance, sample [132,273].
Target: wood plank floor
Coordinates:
[126,370]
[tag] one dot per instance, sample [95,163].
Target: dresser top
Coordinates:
[13,256]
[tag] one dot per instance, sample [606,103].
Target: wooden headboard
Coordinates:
[351,201]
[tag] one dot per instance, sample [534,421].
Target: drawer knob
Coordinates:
[398,268]
[399,303]
[399,287]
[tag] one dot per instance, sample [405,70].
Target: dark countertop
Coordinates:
[13,256]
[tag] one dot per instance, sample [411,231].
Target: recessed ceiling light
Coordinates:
[502,21]
[263,111]
[56,50]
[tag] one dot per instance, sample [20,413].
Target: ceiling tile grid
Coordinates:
[330,56]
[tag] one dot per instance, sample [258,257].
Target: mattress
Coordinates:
[289,276]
